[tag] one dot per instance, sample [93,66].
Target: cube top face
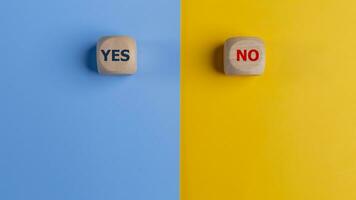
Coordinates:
[244,56]
[116,55]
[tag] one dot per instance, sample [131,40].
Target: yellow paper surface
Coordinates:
[289,134]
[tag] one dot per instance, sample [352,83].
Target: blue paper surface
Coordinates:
[69,133]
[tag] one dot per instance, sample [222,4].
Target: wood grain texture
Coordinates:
[244,56]
[107,65]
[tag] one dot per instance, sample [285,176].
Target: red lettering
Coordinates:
[243,55]
[257,55]
[252,55]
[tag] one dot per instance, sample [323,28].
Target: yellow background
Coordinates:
[288,134]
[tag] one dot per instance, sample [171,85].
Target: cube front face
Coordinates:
[116,55]
[244,56]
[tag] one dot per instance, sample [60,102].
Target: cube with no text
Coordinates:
[244,56]
[116,55]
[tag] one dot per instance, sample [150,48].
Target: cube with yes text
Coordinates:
[116,55]
[244,56]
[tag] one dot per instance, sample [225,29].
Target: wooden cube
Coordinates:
[116,55]
[244,56]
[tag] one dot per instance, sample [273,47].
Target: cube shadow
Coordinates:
[218,59]
[90,60]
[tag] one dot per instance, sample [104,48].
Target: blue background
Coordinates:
[67,132]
